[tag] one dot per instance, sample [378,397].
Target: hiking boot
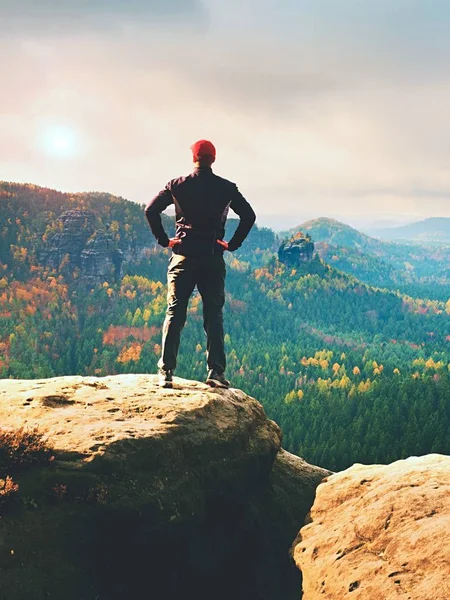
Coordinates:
[165,378]
[216,379]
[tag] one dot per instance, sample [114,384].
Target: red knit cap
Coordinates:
[203,149]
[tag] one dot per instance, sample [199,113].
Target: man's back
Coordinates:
[202,201]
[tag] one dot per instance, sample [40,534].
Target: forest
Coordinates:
[349,353]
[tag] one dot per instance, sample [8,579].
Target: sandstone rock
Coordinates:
[190,440]
[76,227]
[153,493]
[379,532]
[285,502]
[99,259]
[78,243]
[296,250]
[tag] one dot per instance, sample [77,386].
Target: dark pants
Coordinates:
[184,273]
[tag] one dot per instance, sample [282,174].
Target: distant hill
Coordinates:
[374,261]
[337,233]
[39,226]
[432,230]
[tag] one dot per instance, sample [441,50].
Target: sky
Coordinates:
[335,108]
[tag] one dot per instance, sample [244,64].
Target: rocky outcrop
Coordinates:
[379,532]
[296,250]
[153,493]
[100,258]
[75,227]
[77,242]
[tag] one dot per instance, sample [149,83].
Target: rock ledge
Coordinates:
[379,532]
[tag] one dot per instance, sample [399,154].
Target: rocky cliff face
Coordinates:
[75,228]
[153,493]
[379,533]
[99,258]
[78,243]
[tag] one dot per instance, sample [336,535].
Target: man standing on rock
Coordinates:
[202,200]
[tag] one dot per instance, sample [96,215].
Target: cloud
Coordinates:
[50,16]
[339,107]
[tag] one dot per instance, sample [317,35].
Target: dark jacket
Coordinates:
[202,200]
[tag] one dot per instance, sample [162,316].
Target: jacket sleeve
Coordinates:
[153,212]
[247,217]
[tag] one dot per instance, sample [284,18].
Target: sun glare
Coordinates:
[60,142]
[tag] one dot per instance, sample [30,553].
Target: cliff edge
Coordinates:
[149,493]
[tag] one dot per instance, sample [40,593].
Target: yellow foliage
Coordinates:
[315,361]
[289,397]
[431,364]
[324,355]
[323,384]
[133,352]
[344,382]
[364,386]
[238,265]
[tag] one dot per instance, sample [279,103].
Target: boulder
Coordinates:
[152,493]
[379,532]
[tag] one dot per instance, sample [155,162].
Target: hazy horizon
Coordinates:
[284,222]
[316,109]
